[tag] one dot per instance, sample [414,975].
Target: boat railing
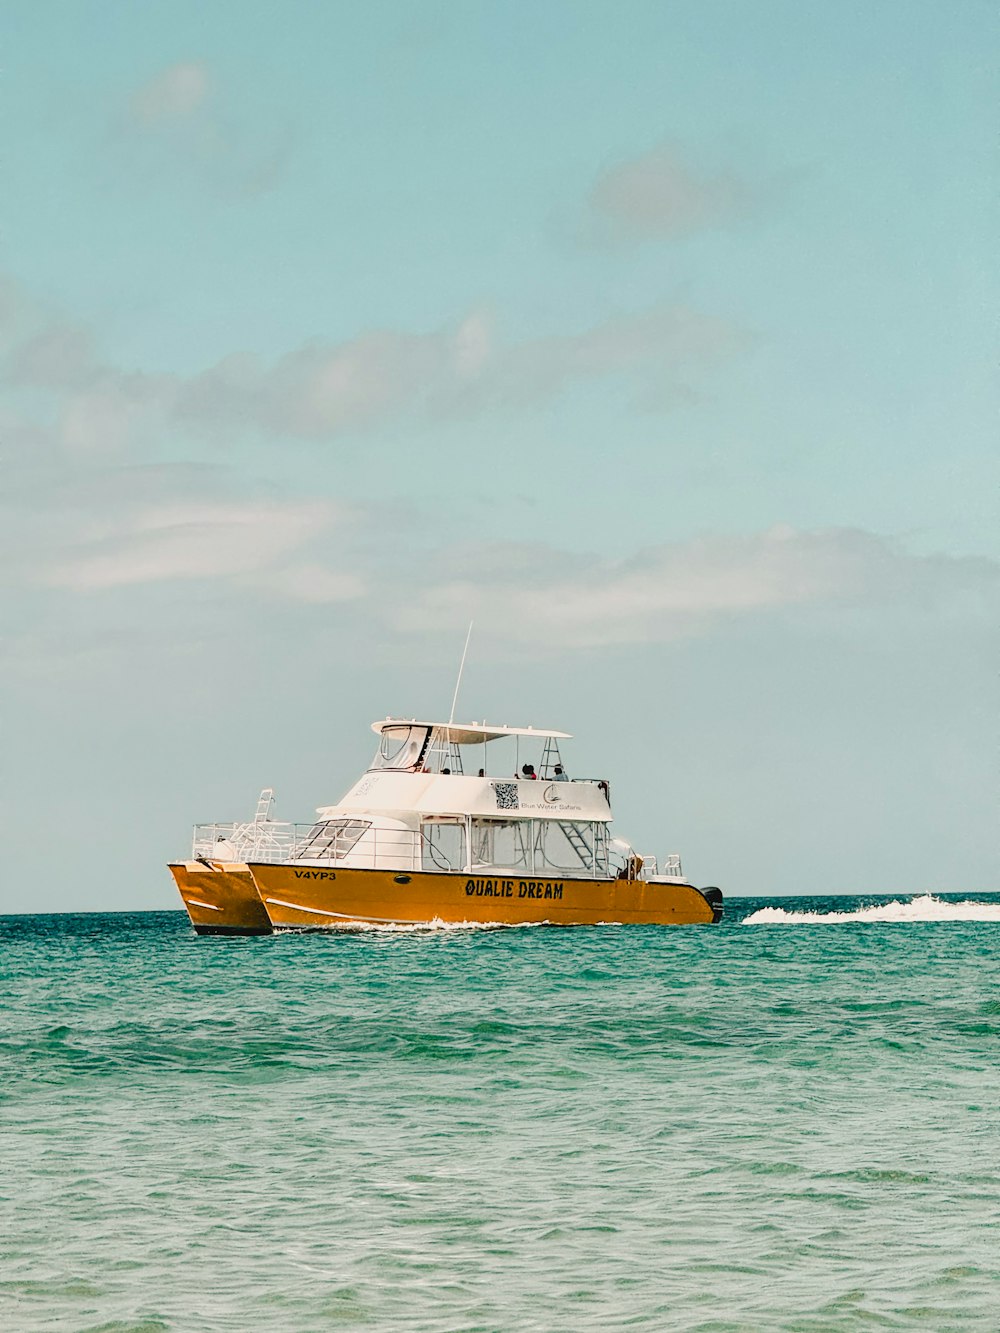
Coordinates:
[671,867]
[269,841]
[251,840]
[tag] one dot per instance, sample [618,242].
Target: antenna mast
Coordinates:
[458,683]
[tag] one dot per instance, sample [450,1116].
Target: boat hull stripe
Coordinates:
[346,916]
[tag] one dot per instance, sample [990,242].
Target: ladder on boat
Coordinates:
[577,839]
[550,757]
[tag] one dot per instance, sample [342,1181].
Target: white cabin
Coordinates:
[444,796]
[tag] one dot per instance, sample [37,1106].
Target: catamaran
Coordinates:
[444,827]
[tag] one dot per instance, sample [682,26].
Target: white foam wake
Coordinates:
[924,908]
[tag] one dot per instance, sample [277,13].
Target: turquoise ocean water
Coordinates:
[785,1122]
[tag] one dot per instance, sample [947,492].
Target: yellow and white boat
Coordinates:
[438,830]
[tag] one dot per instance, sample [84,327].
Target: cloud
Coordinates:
[313,583]
[177,124]
[104,420]
[174,94]
[191,540]
[323,390]
[60,355]
[13,300]
[82,527]
[657,196]
[57,509]
[99,409]
[656,349]
[680,589]
[320,390]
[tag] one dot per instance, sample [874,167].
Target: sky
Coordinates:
[658,340]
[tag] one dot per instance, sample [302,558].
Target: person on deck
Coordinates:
[559,774]
[528,771]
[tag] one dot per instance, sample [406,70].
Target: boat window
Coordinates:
[442,846]
[401,748]
[577,849]
[502,844]
[332,839]
[562,845]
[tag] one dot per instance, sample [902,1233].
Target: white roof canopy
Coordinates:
[471,733]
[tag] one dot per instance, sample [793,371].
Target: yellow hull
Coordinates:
[220,898]
[311,898]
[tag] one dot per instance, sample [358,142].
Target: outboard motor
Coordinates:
[713,897]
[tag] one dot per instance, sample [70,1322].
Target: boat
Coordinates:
[442,828]
[216,886]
